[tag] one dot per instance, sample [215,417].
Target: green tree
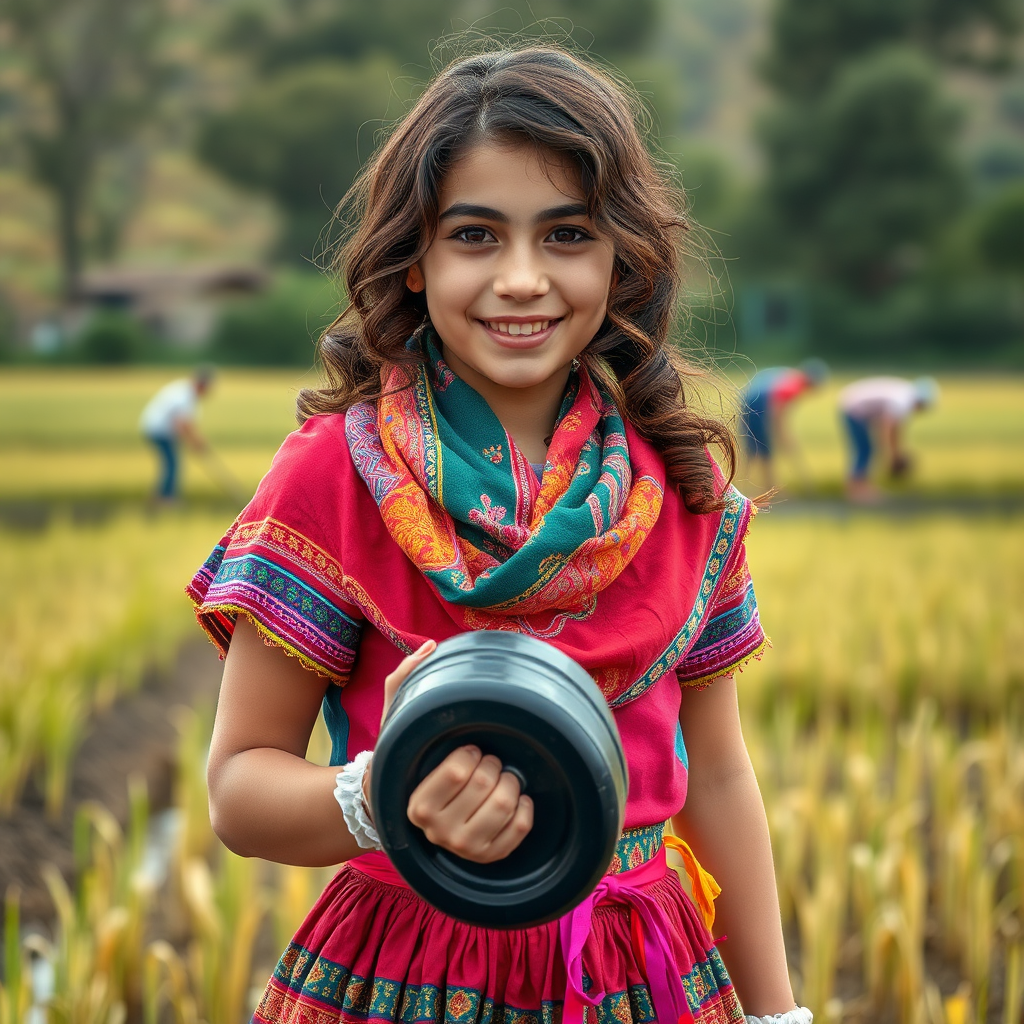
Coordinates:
[407,31]
[328,74]
[278,328]
[867,174]
[812,41]
[91,74]
[301,136]
[111,337]
[861,145]
[1001,230]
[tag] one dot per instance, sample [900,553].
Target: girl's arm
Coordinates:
[724,823]
[267,800]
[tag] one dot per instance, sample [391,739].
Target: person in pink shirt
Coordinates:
[874,413]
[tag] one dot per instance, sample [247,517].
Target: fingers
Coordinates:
[469,806]
[483,794]
[499,845]
[395,679]
[444,784]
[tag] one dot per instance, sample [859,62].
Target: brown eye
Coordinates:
[473,236]
[568,235]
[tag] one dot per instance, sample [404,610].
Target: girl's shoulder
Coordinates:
[312,464]
[318,441]
[317,435]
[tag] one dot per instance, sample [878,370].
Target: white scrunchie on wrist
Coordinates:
[798,1015]
[349,794]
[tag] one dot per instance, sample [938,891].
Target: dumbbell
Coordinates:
[543,716]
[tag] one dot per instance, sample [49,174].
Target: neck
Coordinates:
[527,414]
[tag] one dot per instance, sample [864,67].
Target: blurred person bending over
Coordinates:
[874,411]
[170,418]
[764,405]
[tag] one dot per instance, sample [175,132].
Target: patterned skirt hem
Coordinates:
[374,953]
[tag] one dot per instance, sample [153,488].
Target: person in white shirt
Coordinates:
[874,411]
[170,418]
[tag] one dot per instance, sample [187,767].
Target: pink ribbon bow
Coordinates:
[667,994]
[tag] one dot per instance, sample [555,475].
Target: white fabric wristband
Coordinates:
[349,794]
[798,1015]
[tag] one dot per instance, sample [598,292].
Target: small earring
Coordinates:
[576,362]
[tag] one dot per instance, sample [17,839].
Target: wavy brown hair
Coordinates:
[544,97]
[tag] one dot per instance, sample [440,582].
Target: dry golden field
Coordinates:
[886,724]
[72,433]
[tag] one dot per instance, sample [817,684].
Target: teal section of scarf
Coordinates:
[513,537]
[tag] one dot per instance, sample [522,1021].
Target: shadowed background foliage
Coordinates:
[857,166]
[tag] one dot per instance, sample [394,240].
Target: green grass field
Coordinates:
[971,443]
[72,434]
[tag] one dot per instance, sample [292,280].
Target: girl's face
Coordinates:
[517,277]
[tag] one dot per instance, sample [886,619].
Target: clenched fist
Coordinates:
[467,804]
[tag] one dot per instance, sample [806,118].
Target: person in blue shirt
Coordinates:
[763,406]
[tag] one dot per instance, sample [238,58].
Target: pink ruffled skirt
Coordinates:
[371,950]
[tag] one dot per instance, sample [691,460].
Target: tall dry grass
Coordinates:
[85,610]
[887,730]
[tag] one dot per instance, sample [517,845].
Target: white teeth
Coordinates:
[516,329]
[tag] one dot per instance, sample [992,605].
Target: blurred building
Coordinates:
[177,306]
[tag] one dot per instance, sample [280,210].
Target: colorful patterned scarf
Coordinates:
[463,502]
[600,561]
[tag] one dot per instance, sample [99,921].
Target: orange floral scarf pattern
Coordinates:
[466,507]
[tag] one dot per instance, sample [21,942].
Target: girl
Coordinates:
[503,444]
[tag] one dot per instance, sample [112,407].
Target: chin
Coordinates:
[520,379]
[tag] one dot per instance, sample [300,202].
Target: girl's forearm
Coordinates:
[269,803]
[724,823]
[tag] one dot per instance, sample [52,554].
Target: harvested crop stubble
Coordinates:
[887,731]
[886,728]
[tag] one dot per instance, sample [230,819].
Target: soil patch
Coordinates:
[136,735]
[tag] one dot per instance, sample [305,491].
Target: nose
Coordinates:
[521,275]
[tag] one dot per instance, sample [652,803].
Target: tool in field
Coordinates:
[218,471]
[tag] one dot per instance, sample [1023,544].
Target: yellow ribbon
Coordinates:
[702,883]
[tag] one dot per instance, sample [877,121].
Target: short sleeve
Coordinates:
[275,566]
[732,632]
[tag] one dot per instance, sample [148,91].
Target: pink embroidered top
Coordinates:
[311,561]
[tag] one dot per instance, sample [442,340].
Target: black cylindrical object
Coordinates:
[545,718]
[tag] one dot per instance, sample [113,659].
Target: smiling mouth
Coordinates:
[524,329]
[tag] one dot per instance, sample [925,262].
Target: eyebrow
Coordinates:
[489,213]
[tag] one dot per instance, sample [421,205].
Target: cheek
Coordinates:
[450,291]
[590,289]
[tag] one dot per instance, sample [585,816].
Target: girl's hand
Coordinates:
[467,804]
[393,681]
